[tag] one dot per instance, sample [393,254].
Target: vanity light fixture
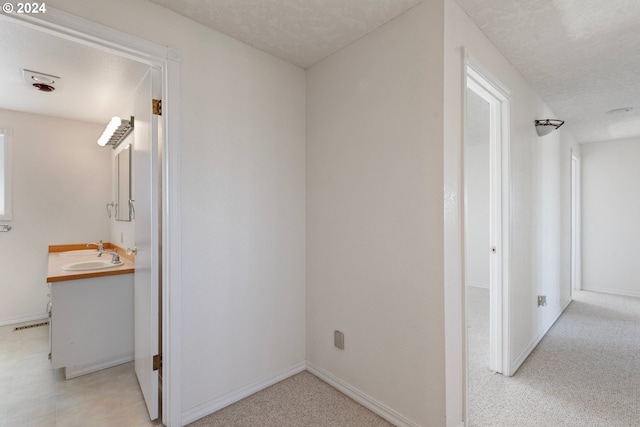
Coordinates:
[116,131]
[546,126]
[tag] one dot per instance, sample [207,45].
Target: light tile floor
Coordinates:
[34,394]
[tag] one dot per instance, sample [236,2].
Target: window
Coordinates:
[5,174]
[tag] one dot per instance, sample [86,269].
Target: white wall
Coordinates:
[540,205]
[374,215]
[60,188]
[610,215]
[242,203]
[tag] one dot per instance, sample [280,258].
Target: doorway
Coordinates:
[166,61]
[491,99]
[486,219]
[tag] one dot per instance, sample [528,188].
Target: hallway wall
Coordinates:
[610,207]
[374,215]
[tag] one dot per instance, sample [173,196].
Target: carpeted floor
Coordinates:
[585,372]
[299,401]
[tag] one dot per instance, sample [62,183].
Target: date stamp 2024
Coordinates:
[24,8]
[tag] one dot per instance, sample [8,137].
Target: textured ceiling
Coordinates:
[582,57]
[96,84]
[299,31]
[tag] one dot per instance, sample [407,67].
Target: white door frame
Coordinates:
[482,82]
[89,33]
[576,224]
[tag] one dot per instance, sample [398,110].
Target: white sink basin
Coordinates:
[80,252]
[90,265]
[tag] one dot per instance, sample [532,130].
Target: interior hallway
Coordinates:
[584,372]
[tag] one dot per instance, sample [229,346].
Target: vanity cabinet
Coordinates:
[91,323]
[91,316]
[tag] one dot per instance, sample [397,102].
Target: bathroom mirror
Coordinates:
[123,185]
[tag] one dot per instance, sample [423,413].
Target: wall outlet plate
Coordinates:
[542,300]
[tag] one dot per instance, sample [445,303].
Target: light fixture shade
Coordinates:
[546,126]
[115,132]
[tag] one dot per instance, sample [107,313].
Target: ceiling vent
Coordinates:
[41,81]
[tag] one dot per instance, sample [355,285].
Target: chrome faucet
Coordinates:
[99,245]
[115,258]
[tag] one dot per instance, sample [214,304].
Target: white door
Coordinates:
[145,191]
[497,97]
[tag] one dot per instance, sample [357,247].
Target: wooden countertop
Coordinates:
[57,261]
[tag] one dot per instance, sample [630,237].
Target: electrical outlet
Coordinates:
[338,339]
[542,300]
[121,237]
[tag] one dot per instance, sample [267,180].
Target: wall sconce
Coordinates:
[115,132]
[546,126]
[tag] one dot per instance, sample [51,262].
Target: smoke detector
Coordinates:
[41,81]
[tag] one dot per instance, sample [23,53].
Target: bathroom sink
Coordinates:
[90,265]
[80,252]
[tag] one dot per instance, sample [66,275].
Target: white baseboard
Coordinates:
[76,371]
[523,356]
[366,401]
[614,292]
[214,405]
[22,319]
[478,285]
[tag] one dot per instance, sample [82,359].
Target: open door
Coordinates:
[486,227]
[145,212]
[496,97]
